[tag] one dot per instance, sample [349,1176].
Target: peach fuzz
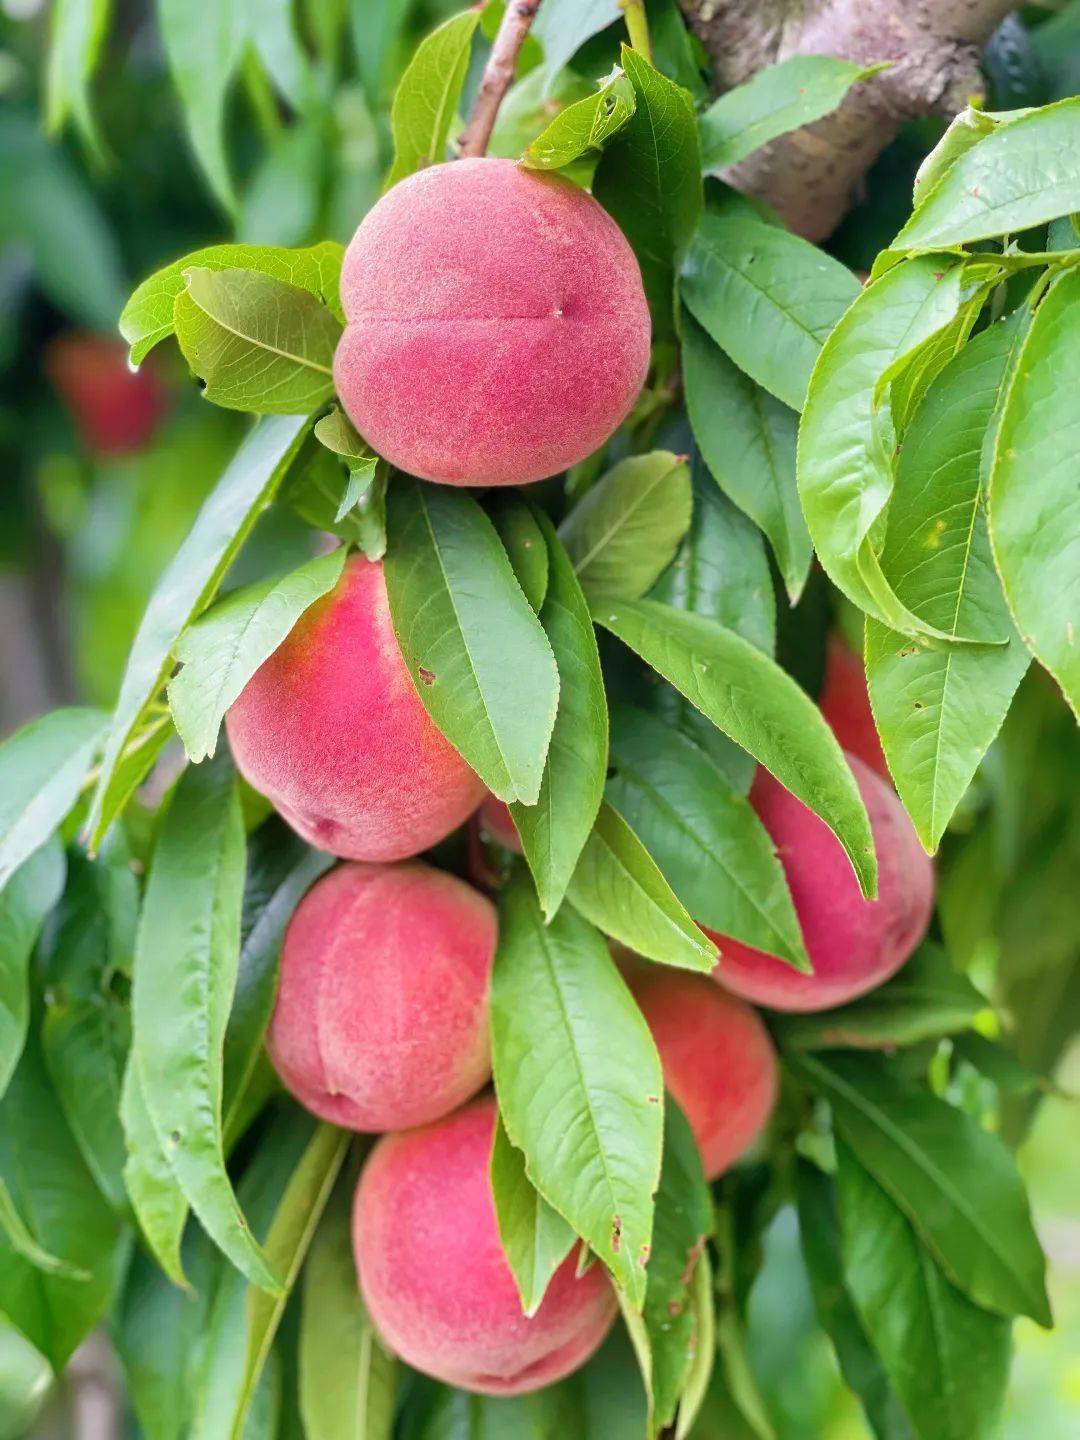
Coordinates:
[854,944]
[497,330]
[434,1276]
[381,1020]
[845,703]
[331,730]
[718,1060]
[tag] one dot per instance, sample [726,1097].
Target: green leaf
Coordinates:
[475,650]
[427,95]
[350,504]
[221,651]
[768,298]
[204,41]
[148,316]
[781,98]
[847,439]
[563,26]
[706,838]
[649,180]
[78,29]
[759,706]
[955,1182]
[25,903]
[1034,509]
[14,1227]
[947,1359]
[63,1211]
[286,1245]
[928,999]
[619,888]
[1019,175]
[185,589]
[553,1413]
[747,438]
[257,343]
[586,125]
[578,1079]
[347,1380]
[337,433]
[524,543]
[160,1205]
[937,711]
[554,830]
[535,1238]
[185,974]
[625,530]
[43,768]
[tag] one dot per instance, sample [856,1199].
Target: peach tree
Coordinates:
[674,589]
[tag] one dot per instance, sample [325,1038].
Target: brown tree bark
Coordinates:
[811,175]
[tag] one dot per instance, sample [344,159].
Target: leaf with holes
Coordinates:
[586,125]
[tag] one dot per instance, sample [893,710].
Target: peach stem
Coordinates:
[498,75]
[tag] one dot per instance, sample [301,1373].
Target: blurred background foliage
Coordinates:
[103,178]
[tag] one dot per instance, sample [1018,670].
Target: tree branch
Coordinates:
[809,176]
[498,75]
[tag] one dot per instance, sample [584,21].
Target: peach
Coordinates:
[854,944]
[331,730]
[116,409]
[845,703]
[434,1276]
[717,1057]
[381,1019]
[497,325]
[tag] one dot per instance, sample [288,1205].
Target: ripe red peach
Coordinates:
[854,944]
[116,409]
[717,1057]
[434,1276]
[381,1019]
[497,331]
[845,703]
[331,730]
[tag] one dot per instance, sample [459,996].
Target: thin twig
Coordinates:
[498,74]
[637,27]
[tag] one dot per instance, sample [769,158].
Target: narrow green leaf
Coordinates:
[337,433]
[783,97]
[554,830]
[427,95]
[25,902]
[703,1349]
[185,589]
[625,530]
[185,974]
[710,845]
[148,316]
[563,26]
[221,651]
[78,29]
[43,767]
[768,298]
[750,698]
[160,1205]
[578,1079]
[204,41]
[955,1182]
[14,1227]
[475,650]
[1034,508]
[349,503]
[524,543]
[619,888]
[535,1238]
[586,125]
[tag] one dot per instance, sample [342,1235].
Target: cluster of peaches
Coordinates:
[512,305]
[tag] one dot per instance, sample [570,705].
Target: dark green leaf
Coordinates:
[14,1227]
[584,126]
[524,543]
[350,505]
[25,901]
[578,1079]
[475,650]
[204,43]
[563,26]
[535,1238]
[553,1413]
[427,95]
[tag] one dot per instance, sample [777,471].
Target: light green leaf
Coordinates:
[475,650]
[956,1183]
[160,1205]
[554,830]
[185,974]
[350,505]
[78,29]
[713,850]
[257,343]
[535,1238]
[747,438]
[524,543]
[25,903]
[782,97]
[337,433]
[1034,506]
[221,651]
[586,125]
[204,41]
[578,1079]
[148,316]
[625,530]
[563,26]
[759,706]
[619,888]
[184,590]
[768,298]
[43,768]
[427,95]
